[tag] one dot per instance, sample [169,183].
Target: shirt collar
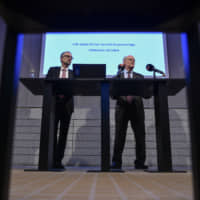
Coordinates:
[126,71]
[64,68]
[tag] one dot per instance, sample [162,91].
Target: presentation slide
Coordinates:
[105,48]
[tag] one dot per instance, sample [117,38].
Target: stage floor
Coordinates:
[80,185]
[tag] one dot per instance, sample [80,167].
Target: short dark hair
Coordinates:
[61,55]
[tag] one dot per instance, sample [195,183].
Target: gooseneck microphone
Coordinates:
[120,69]
[150,67]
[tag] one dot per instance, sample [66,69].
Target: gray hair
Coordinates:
[61,55]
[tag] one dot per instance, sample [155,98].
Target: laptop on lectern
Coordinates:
[89,70]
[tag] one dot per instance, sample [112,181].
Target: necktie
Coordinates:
[129,99]
[129,74]
[63,73]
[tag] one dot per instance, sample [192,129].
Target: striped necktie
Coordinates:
[63,73]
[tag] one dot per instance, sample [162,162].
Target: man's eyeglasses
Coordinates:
[67,56]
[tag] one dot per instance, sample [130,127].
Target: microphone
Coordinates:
[120,69]
[150,67]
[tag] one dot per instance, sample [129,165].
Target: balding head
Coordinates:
[129,62]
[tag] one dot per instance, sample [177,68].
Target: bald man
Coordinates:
[129,108]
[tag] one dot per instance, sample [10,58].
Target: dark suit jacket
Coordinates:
[54,73]
[137,99]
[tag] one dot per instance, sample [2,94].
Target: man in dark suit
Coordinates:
[129,108]
[63,108]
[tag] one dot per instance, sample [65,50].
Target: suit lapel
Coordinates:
[57,72]
[122,75]
[70,74]
[133,75]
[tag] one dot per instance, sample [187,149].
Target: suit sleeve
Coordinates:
[140,76]
[49,74]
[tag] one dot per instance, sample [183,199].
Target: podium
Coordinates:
[159,88]
[81,87]
[41,21]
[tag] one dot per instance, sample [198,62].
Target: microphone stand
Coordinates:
[155,89]
[154,75]
[119,72]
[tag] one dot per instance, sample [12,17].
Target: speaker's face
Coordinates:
[129,62]
[66,58]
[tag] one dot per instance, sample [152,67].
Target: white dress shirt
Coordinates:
[67,72]
[126,74]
